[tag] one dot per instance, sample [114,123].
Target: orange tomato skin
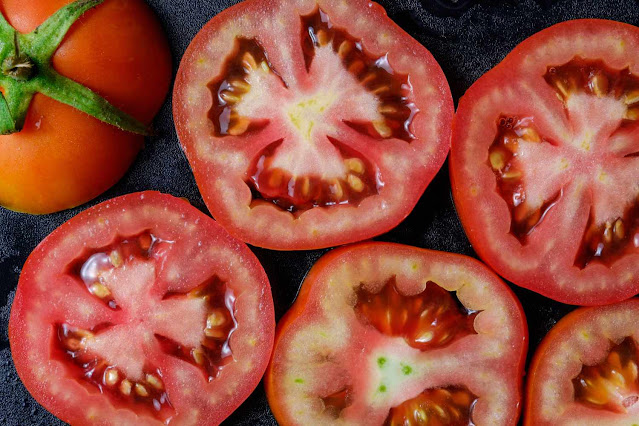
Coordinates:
[63,157]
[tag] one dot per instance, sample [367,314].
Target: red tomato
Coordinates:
[390,334]
[310,124]
[585,370]
[545,162]
[141,310]
[63,157]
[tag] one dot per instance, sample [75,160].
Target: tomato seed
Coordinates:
[100,290]
[111,377]
[141,390]
[125,387]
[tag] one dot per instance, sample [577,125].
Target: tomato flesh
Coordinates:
[388,334]
[141,310]
[544,163]
[293,139]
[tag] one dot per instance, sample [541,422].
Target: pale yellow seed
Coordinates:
[355,183]
[354,165]
[387,109]
[599,85]
[215,319]
[116,258]
[631,97]
[382,128]
[380,90]
[111,377]
[229,97]
[607,235]
[344,49]
[368,78]
[322,37]
[239,126]
[620,231]
[241,85]
[100,290]
[497,160]
[198,356]
[511,175]
[306,187]
[125,387]
[632,114]
[248,61]
[530,135]
[141,390]
[154,381]
[264,66]
[337,190]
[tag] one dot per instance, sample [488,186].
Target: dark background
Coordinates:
[466,37]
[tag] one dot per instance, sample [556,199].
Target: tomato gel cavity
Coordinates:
[141,310]
[585,370]
[389,334]
[545,160]
[306,128]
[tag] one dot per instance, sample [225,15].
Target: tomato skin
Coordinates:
[63,157]
[164,216]
[221,169]
[306,306]
[483,212]
[584,335]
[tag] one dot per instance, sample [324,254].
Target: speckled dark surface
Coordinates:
[466,37]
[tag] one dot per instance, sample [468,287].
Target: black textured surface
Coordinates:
[466,37]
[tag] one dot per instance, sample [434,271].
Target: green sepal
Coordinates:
[82,98]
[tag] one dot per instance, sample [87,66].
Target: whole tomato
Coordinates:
[63,157]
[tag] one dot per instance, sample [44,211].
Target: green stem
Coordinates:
[27,69]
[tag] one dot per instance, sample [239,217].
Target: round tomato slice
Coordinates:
[545,162]
[585,370]
[390,334]
[141,310]
[63,157]
[310,124]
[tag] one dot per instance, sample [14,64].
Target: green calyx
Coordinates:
[26,70]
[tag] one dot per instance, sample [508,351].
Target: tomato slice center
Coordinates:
[452,406]
[112,357]
[602,106]
[611,385]
[428,320]
[357,90]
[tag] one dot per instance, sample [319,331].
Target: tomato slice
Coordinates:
[390,334]
[585,370]
[141,310]
[545,162]
[309,124]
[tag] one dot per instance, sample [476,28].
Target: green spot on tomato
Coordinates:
[407,369]
[299,380]
[381,361]
[382,388]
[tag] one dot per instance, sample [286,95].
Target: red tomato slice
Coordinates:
[545,162]
[310,124]
[585,370]
[141,310]
[390,334]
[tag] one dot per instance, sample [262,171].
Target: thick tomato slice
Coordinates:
[141,310]
[585,370]
[545,163]
[390,334]
[310,123]
[63,157]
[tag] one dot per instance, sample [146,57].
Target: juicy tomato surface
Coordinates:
[310,123]
[390,334]
[141,310]
[545,163]
[585,370]
[63,157]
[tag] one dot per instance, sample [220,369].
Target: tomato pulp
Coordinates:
[390,334]
[585,370]
[141,310]
[310,124]
[62,157]
[545,162]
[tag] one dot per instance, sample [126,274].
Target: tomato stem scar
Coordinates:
[26,70]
